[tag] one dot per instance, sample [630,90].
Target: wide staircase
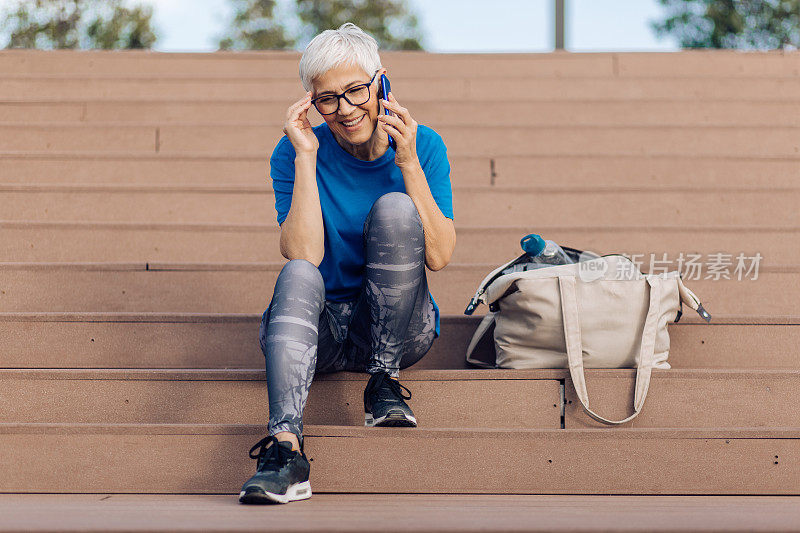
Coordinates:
[139,247]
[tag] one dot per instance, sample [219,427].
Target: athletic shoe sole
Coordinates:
[394,418]
[298,491]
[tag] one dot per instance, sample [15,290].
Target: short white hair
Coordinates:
[332,48]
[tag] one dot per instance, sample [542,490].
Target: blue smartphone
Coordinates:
[385,88]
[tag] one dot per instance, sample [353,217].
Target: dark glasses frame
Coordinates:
[342,95]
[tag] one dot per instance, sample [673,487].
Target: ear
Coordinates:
[385,71]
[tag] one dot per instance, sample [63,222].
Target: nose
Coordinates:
[345,108]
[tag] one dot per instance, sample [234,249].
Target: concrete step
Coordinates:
[474,206]
[27,241]
[416,87]
[178,340]
[677,398]
[243,288]
[550,113]
[438,114]
[694,63]
[501,140]
[284,64]
[688,398]
[76,137]
[708,64]
[30,112]
[657,171]
[440,398]
[489,140]
[212,458]
[575,170]
[283,89]
[131,168]
[89,427]
[431,513]
[212,341]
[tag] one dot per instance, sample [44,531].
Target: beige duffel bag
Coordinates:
[600,313]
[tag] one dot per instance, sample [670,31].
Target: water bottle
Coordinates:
[538,253]
[543,252]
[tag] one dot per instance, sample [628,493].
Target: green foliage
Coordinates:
[56,24]
[44,24]
[256,26]
[745,24]
[124,27]
[388,20]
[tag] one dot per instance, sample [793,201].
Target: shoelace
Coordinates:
[377,380]
[272,455]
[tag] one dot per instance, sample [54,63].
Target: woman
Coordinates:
[359,223]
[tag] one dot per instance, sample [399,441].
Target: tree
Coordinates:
[254,27]
[124,28]
[389,21]
[255,24]
[73,24]
[747,24]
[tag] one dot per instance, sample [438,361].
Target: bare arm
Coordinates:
[302,233]
[440,233]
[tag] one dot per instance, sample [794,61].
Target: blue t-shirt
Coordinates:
[348,187]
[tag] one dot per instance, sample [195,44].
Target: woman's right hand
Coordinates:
[298,128]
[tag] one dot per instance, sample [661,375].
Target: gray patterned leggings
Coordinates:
[390,326]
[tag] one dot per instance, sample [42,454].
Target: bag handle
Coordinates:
[572,334]
[483,327]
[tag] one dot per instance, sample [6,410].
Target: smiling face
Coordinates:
[336,81]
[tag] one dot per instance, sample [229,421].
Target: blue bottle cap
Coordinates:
[532,244]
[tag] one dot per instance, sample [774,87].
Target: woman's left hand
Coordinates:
[403,130]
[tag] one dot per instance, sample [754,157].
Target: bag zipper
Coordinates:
[475,301]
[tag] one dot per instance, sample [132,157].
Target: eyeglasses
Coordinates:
[355,95]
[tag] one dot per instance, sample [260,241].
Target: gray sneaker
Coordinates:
[384,405]
[281,474]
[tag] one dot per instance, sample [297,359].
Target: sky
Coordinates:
[455,25]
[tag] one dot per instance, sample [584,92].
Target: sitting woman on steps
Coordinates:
[359,222]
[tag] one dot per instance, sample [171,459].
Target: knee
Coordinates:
[301,268]
[394,205]
[395,209]
[303,275]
